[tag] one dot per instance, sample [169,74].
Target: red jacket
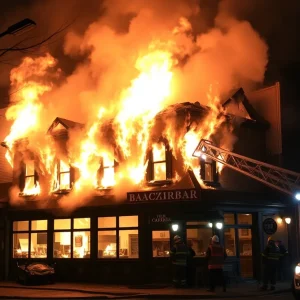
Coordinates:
[216,256]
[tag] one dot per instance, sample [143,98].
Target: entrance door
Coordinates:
[245,252]
[161,266]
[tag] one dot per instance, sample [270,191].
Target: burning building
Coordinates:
[103,168]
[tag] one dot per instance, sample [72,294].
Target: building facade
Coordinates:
[127,240]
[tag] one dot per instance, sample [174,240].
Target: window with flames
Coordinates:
[159,168]
[29,184]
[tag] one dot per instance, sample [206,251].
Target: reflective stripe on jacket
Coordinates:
[216,258]
[271,252]
[179,254]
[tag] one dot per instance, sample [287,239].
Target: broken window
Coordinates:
[29,179]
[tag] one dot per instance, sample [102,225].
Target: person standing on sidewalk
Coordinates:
[216,255]
[190,265]
[179,255]
[271,257]
[282,260]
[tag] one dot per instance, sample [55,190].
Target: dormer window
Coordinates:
[106,172]
[159,162]
[63,176]
[29,181]
[159,169]
[108,165]
[208,170]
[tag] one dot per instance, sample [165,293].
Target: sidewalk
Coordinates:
[90,291]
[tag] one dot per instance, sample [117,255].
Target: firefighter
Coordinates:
[179,255]
[271,257]
[282,260]
[216,255]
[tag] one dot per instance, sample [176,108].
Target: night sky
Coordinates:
[276,21]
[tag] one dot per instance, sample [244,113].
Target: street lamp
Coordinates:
[19,28]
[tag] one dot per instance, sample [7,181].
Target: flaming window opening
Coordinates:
[62,180]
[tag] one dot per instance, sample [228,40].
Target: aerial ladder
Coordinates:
[275,177]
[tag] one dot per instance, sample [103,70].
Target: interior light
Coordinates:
[219,225]
[279,220]
[297,196]
[297,270]
[210,225]
[175,227]
[288,220]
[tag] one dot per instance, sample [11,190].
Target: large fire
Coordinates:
[125,157]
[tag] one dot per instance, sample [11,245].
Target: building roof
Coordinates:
[66,124]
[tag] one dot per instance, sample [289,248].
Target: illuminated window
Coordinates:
[160,243]
[29,183]
[159,167]
[118,237]
[106,172]
[229,241]
[33,238]
[64,176]
[72,242]
[198,239]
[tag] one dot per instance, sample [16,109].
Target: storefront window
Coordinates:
[36,246]
[244,219]
[127,233]
[20,245]
[161,243]
[229,219]
[107,244]
[245,246]
[81,244]
[82,223]
[229,241]
[79,236]
[62,244]
[199,239]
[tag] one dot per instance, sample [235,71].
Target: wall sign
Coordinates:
[269,226]
[165,195]
[161,218]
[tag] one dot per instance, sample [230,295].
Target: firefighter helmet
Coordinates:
[177,238]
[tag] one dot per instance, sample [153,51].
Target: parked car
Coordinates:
[35,273]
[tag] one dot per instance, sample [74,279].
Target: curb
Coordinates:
[124,295]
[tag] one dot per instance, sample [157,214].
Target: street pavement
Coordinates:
[249,290]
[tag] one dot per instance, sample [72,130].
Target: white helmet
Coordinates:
[177,238]
[215,239]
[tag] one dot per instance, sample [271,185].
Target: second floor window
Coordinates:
[159,163]
[29,179]
[208,170]
[63,176]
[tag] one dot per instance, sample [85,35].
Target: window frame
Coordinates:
[23,177]
[198,226]
[167,161]
[100,173]
[29,231]
[237,226]
[58,176]
[72,230]
[204,164]
[117,229]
